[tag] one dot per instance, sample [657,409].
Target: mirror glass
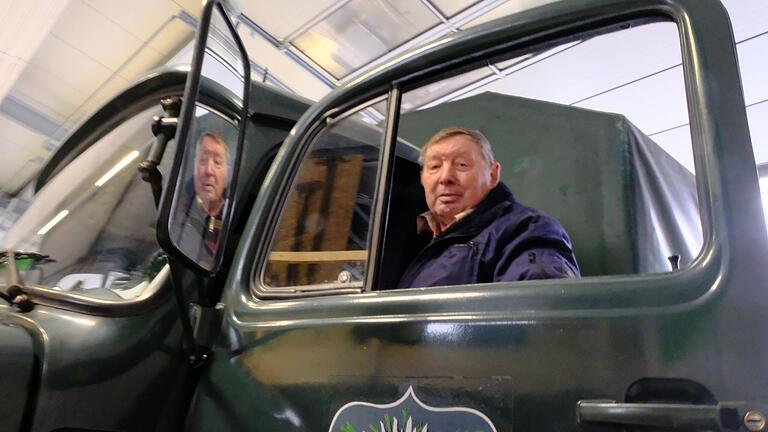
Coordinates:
[203,195]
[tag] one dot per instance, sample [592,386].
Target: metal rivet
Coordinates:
[754,421]
[345,276]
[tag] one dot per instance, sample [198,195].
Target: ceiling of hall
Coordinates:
[61,59]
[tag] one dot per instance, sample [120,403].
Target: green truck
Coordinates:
[208,253]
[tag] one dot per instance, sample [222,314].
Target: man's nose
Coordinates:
[447,174]
[209,167]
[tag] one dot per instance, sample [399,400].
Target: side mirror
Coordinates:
[197,205]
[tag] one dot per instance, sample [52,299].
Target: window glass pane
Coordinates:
[507,8]
[271,16]
[223,62]
[96,219]
[575,130]
[450,8]
[322,236]
[362,31]
[447,88]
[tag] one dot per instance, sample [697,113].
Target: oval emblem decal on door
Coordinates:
[408,414]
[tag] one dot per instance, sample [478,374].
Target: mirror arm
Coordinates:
[197,353]
[164,129]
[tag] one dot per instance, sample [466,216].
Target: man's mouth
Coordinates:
[448,197]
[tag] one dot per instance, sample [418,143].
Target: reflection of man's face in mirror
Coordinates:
[211,172]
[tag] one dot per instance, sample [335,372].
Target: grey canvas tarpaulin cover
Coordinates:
[625,202]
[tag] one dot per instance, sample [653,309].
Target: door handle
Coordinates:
[724,416]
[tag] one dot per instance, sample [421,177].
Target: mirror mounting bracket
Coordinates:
[164,129]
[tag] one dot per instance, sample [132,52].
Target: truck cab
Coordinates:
[264,296]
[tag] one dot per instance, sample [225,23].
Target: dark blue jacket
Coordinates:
[501,240]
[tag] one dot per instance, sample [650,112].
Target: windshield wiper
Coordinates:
[14,292]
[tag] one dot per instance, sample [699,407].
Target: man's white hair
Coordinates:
[476,136]
[215,136]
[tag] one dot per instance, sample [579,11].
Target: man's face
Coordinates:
[210,172]
[456,177]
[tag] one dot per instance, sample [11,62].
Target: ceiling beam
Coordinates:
[30,117]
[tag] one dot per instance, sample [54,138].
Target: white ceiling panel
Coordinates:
[17,146]
[97,99]
[286,70]
[23,27]
[361,31]
[193,7]
[55,57]
[100,39]
[24,174]
[654,104]
[758,129]
[596,65]
[747,17]
[132,15]
[508,8]
[282,18]
[753,64]
[15,133]
[175,35]
[141,62]
[10,68]
[452,7]
[47,94]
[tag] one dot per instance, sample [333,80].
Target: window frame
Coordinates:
[693,282]
[259,288]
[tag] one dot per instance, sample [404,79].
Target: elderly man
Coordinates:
[211,172]
[479,233]
[200,211]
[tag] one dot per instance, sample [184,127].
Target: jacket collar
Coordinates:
[485,212]
[426,222]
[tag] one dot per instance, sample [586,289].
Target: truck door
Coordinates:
[317,336]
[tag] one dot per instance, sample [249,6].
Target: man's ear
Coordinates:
[495,174]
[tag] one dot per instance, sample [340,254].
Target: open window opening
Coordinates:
[576,129]
[577,132]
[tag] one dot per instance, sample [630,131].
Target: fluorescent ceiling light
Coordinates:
[62,214]
[115,169]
